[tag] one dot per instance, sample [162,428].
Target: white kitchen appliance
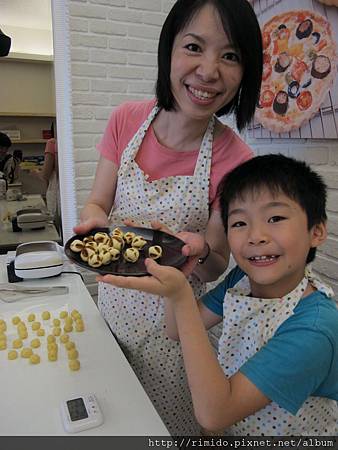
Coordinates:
[39,259]
[31,219]
[81,413]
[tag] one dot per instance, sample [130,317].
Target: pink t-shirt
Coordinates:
[158,161]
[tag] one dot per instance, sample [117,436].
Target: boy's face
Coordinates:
[269,239]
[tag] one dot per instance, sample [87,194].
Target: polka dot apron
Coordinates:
[250,323]
[136,318]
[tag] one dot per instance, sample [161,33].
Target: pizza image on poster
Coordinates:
[300,66]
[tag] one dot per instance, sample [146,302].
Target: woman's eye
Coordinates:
[275,219]
[238,224]
[193,47]
[231,57]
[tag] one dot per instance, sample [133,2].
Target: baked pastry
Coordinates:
[128,237]
[117,232]
[95,260]
[102,248]
[155,252]
[115,253]
[88,239]
[86,253]
[92,245]
[131,254]
[101,237]
[138,242]
[106,257]
[117,242]
[77,245]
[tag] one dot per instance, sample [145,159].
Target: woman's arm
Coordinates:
[48,167]
[100,201]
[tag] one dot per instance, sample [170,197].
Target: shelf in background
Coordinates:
[30,141]
[26,114]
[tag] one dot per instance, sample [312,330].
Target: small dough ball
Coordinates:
[69,345]
[16,320]
[35,343]
[50,339]
[79,327]
[12,354]
[46,315]
[155,252]
[52,347]
[34,359]
[63,314]
[52,356]
[101,238]
[56,322]
[31,317]
[40,332]
[36,326]
[68,328]
[128,237]
[73,354]
[117,242]
[138,242]
[17,343]
[3,336]
[75,314]
[21,326]
[77,245]
[95,260]
[86,253]
[131,255]
[115,254]
[74,364]
[64,338]
[56,331]
[3,344]
[3,325]
[23,334]
[26,352]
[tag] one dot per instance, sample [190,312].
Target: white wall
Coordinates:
[114,46]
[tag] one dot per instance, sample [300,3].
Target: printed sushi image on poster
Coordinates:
[299,73]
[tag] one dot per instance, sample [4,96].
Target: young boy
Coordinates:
[277,368]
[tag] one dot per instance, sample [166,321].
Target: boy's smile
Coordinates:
[269,238]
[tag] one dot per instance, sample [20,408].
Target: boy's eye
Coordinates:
[275,219]
[231,56]
[238,224]
[192,47]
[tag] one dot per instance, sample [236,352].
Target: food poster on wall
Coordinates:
[299,93]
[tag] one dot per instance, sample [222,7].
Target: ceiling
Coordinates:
[34,14]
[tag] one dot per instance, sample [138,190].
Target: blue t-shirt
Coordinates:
[301,359]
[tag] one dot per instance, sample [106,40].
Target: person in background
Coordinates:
[162,160]
[9,165]
[49,174]
[277,367]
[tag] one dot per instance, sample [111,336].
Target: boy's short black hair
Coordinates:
[241,25]
[277,173]
[5,140]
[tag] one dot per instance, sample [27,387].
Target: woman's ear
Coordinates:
[318,234]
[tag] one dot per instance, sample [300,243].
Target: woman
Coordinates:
[162,160]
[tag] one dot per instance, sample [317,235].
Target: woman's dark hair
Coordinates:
[278,174]
[242,28]
[5,140]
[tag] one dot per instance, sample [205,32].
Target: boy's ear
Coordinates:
[318,234]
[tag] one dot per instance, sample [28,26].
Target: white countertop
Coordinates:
[30,394]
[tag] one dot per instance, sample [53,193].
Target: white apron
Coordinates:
[250,323]
[136,318]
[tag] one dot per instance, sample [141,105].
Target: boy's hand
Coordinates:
[163,280]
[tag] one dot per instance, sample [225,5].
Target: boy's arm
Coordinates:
[218,401]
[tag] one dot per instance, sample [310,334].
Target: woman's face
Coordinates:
[206,70]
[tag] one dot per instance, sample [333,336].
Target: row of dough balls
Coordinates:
[27,352]
[102,249]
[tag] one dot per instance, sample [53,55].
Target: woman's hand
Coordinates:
[89,224]
[162,280]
